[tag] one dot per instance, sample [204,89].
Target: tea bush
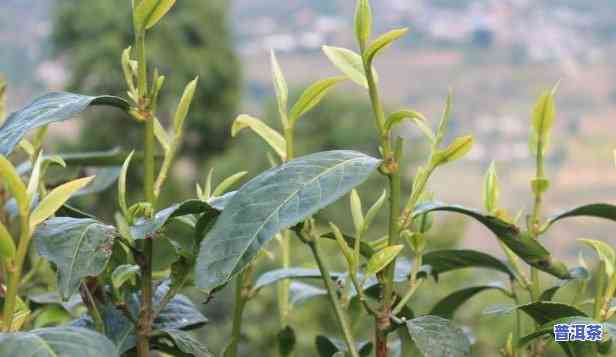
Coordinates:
[118,288]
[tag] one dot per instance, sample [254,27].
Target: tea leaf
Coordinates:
[442,126]
[383,42]
[15,185]
[312,96]
[122,185]
[57,341]
[372,212]
[526,247]
[149,12]
[277,199]
[543,120]
[55,199]
[105,178]
[280,87]
[545,311]
[78,247]
[333,347]
[416,117]
[187,343]
[435,336]
[184,105]
[123,273]
[491,190]
[349,63]
[365,249]
[363,21]
[604,251]
[443,261]
[597,210]
[456,150]
[276,275]
[50,108]
[7,245]
[161,135]
[356,212]
[271,136]
[381,259]
[448,305]
[228,182]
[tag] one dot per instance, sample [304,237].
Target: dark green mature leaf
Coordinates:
[527,248]
[274,276]
[365,249]
[275,200]
[438,337]
[187,343]
[597,210]
[442,261]
[545,311]
[149,227]
[328,347]
[57,341]
[300,292]
[78,247]
[447,306]
[577,273]
[50,108]
[118,328]
[104,178]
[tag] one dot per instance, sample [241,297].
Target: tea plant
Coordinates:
[133,302]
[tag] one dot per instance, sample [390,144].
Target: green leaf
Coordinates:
[187,343]
[15,185]
[275,200]
[349,63]
[104,178]
[124,273]
[149,227]
[604,251]
[50,108]
[448,305]
[51,316]
[55,199]
[456,150]
[578,273]
[383,42]
[363,21]
[443,261]
[286,341]
[597,210]
[356,211]
[271,136]
[372,212]
[437,337]
[416,117]
[161,135]
[182,110]
[280,87]
[35,177]
[149,12]
[332,347]
[522,244]
[78,247]
[122,185]
[365,249]
[276,275]
[543,120]
[312,96]
[491,190]
[442,126]
[228,182]
[300,292]
[545,311]
[57,341]
[381,259]
[7,245]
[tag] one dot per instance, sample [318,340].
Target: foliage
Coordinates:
[129,275]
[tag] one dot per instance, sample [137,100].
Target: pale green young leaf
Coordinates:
[55,199]
[161,10]
[35,177]
[122,185]
[207,191]
[544,113]
[383,42]
[604,251]
[416,117]
[129,76]
[456,150]
[228,182]
[373,211]
[271,136]
[381,259]
[313,96]
[161,135]
[124,273]
[149,12]
[491,190]
[7,245]
[15,185]
[344,247]
[200,194]
[349,63]
[363,21]
[357,212]
[184,105]
[442,127]
[280,87]
[27,147]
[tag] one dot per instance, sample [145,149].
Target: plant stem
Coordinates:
[15,272]
[238,311]
[413,286]
[92,308]
[331,291]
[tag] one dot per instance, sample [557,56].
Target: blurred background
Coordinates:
[496,55]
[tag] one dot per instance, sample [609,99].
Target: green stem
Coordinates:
[238,311]
[90,303]
[15,273]
[518,318]
[331,291]
[413,286]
